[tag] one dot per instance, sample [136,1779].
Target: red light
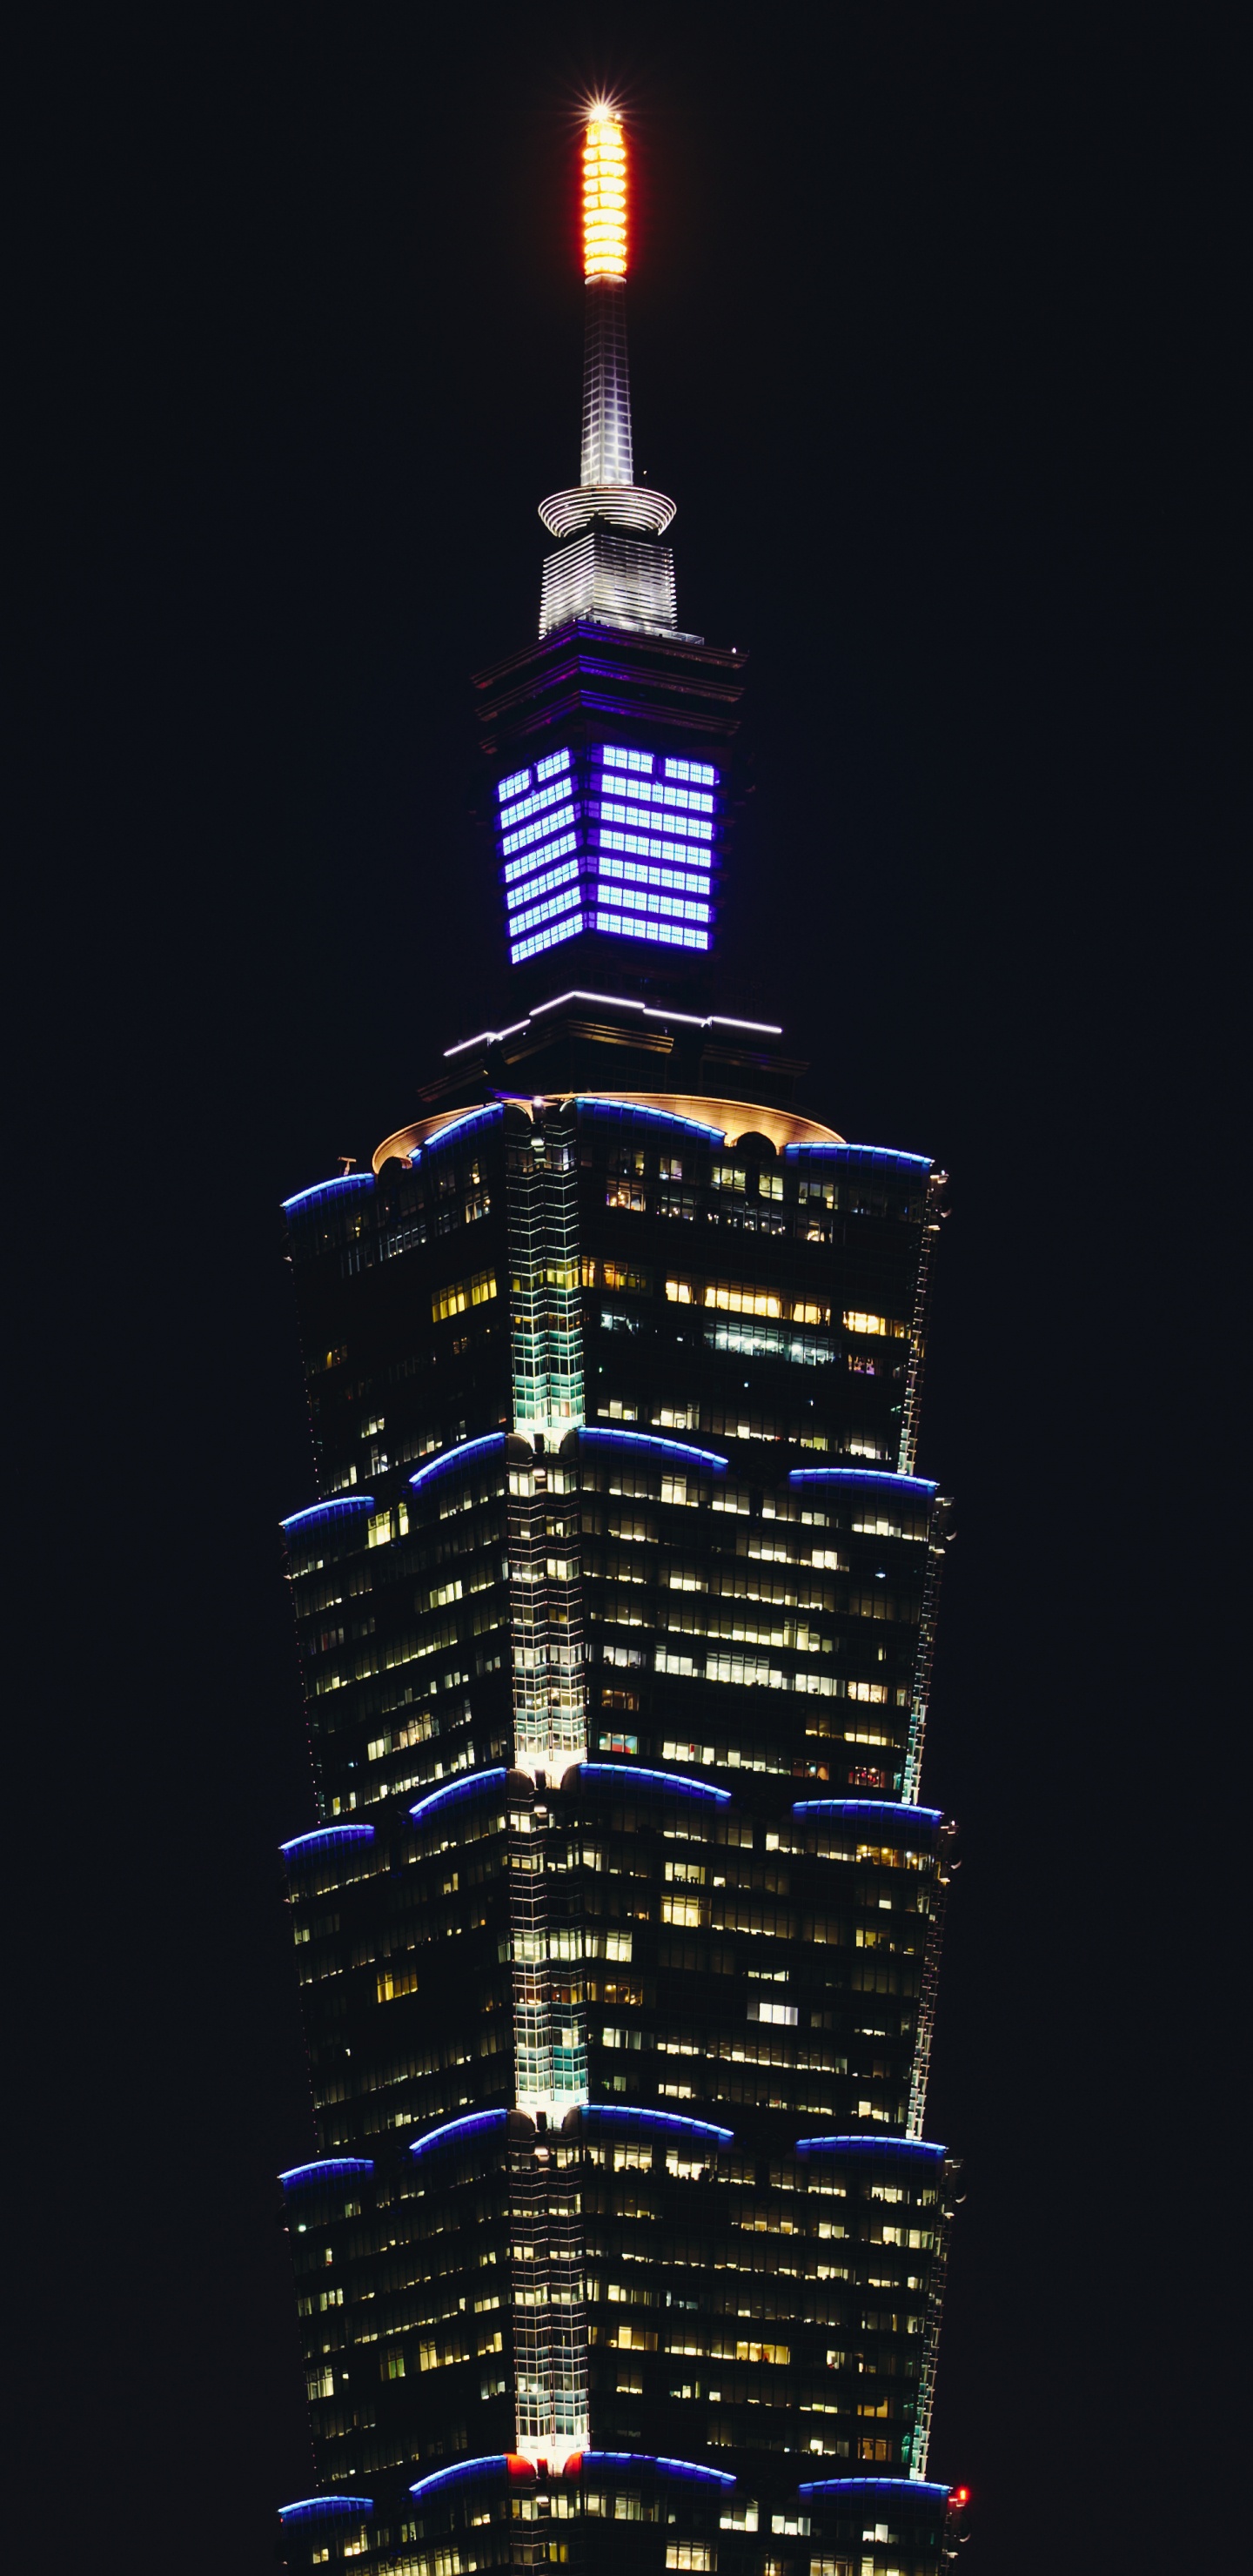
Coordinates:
[960,2495]
[573,2465]
[518,2467]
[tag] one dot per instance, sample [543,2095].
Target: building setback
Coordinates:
[618,1934]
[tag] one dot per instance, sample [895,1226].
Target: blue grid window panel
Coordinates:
[667,934]
[526,866]
[521,949]
[545,883]
[613,838]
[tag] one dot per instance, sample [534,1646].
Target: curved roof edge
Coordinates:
[325,2166]
[862,1476]
[876,2486]
[624,2111]
[329,1837]
[867,1807]
[329,1189]
[729,1119]
[667,2468]
[870,1154]
[459,1788]
[456,2129]
[492,2464]
[654,1440]
[865,2144]
[310,2506]
[333,1510]
[673,1780]
[458,1457]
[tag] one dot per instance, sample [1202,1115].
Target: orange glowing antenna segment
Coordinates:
[604,195]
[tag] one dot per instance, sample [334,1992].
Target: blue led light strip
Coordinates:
[450,2129]
[492,2464]
[618,2112]
[314,2505]
[867,2146]
[675,1780]
[459,1457]
[325,2167]
[652,2460]
[868,1807]
[461,1126]
[457,1789]
[329,1511]
[669,1448]
[861,1476]
[327,1838]
[868,1153]
[893,2487]
[623,1109]
[331,1189]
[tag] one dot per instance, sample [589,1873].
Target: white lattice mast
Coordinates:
[610,568]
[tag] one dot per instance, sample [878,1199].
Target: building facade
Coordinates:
[618,1932]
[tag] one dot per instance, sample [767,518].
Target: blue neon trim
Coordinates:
[622,2112]
[329,1836]
[866,1807]
[458,1789]
[328,1511]
[327,1189]
[663,1779]
[651,1440]
[312,2505]
[875,2486]
[327,2165]
[651,2460]
[457,2129]
[626,1110]
[458,1457]
[866,2146]
[862,1476]
[872,1153]
[458,1126]
[492,2461]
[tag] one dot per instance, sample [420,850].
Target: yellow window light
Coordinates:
[604,196]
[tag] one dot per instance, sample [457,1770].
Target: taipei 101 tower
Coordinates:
[618,1929]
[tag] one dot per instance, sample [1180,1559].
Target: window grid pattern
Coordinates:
[610,838]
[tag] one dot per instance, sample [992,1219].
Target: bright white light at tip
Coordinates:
[604,193]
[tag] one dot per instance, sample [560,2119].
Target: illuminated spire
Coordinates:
[604,195]
[607,491]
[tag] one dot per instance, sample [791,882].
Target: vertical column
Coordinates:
[607,448]
[545,1308]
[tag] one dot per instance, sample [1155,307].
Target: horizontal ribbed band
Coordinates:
[624,505]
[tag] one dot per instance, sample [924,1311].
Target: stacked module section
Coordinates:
[612,838]
[618,1935]
[726,2229]
[631,2514]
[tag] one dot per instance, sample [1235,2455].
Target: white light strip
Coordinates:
[487,1037]
[616,1002]
[690,1019]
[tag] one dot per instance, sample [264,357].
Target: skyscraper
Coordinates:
[618,1933]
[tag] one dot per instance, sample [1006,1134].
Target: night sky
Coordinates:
[936,337]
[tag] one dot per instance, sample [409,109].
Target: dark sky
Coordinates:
[936,333]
